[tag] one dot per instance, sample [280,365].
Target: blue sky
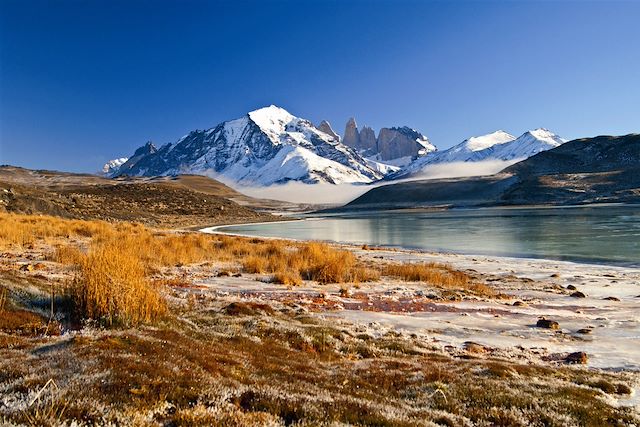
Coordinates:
[83,81]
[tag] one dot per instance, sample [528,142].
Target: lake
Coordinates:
[608,234]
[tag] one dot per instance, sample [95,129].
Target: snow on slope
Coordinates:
[498,145]
[528,144]
[113,165]
[267,146]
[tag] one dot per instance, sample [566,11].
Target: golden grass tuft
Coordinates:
[287,277]
[113,287]
[67,255]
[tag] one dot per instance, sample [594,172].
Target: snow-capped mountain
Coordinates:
[267,146]
[498,145]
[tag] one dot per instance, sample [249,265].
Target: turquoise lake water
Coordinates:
[596,234]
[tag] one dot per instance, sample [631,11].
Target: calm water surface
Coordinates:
[600,234]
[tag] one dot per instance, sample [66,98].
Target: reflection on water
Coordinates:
[607,234]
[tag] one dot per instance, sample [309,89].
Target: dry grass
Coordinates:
[113,287]
[115,262]
[3,299]
[68,255]
[435,274]
[25,230]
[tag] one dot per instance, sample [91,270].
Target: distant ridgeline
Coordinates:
[603,169]
[271,146]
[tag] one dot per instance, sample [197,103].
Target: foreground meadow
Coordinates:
[120,324]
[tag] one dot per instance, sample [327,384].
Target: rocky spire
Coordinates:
[351,134]
[325,127]
[368,140]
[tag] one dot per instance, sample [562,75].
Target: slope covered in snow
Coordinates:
[267,146]
[112,166]
[497,145]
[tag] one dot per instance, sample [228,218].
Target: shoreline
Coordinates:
[216,230]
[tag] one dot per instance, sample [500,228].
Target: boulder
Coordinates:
[547,324]
[579,357]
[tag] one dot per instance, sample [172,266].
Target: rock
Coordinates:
[579,357]
[474,347]
[26,267]
[571,288]
[555,275]
[519,304]
[345,293]
[584,331]
[611,299]
[578,294]
[351,134]
[223,273]
[368,140]
[325,127]
[394,143]
[547,324]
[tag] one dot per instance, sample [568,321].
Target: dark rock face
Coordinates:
[578,294]
[391,143]
[351,134]
[325,127]
[394,143]
[368,141]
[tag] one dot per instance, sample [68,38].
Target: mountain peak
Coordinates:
[267,116]
[482,142]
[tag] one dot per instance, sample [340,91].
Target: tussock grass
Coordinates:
[436,274]
[113,287]
[68,255]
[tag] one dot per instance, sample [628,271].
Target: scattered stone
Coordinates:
[474,347]
[578,294]
[584,331]
[519,304]
[547,324]
[571,288]
[345,293]
[612,299]
[579,358]
[555,275]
